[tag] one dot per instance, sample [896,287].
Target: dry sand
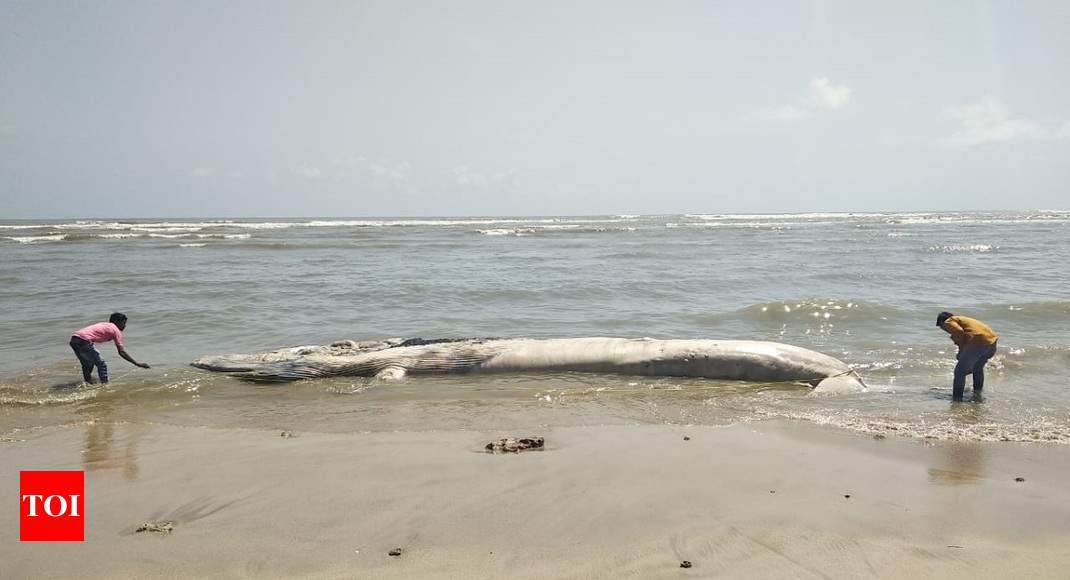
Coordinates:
[598,502]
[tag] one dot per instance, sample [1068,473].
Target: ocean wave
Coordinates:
[964,249]
[55,226]
[782,216]
[928,360]
[1035,356]
[37,239]
[174,230]
[771,225]
[762,219]
[817,308]
[1036,430]
[196,226]
[976,219]
[224,236]
[1045,309]
[474,221]
[505,232]
[194,245]
[20,397]
[133,234]
[552,229]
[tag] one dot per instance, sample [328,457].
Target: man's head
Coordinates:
[942,317]
[118,319]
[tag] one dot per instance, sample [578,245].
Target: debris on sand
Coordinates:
[156,527]
[685,564]
[686,438]
[395,552]
[287,434]
[514,445]
[1019,479]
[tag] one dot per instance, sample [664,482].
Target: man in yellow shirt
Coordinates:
[977,344]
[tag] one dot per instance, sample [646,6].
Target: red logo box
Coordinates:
[51,506]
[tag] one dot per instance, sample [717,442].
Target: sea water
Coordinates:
[865,288]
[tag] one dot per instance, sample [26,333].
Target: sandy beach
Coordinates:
[767,499]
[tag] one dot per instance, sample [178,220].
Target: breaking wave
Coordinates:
[964,249]
[939,427]
[37,239]
[552,229]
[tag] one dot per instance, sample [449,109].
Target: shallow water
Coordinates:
[864,288]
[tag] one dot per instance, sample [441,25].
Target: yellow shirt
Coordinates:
[967,332]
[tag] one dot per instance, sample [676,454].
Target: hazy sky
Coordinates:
[394,108]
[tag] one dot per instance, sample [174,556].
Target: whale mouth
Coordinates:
[223,364]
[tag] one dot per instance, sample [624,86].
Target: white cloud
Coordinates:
[1064,132]
[988,121]
[785,113]
[899,140]
[465,177]
[826,96]
[393,172]
[822,96]
[206,172]
[307,171]
[358,171]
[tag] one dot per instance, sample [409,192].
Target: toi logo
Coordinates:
[51,506]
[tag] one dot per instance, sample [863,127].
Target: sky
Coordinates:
[404,108]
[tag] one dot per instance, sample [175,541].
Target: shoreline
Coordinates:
[765,499]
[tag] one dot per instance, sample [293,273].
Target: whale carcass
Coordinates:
[743,360]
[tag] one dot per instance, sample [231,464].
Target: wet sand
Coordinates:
[756,500]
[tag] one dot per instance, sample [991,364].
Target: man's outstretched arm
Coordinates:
[126,355]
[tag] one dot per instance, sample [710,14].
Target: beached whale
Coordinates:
[743,360]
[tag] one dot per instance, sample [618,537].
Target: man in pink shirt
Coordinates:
[82,343]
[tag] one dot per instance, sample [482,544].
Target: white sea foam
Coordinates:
[173,229]
[194,226]
[1038,430]
[781,216]
[753,224]
[537,229]
[225,236]
[980,248]
[192,245]
[38,239]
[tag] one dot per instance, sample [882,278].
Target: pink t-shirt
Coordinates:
[101,332]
